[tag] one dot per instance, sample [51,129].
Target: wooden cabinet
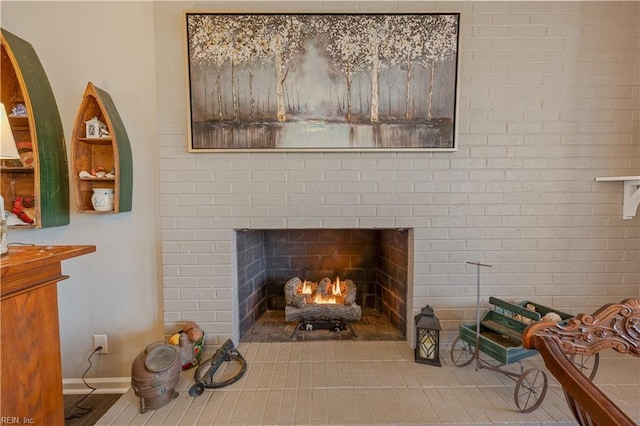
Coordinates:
[40,182]
[101,159]
[31,365]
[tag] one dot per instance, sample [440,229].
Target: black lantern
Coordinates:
[427,337]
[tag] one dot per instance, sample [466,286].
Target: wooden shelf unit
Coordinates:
[107,153]
[24,81]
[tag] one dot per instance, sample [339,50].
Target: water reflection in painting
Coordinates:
[321,135]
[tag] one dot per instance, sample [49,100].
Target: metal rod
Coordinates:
[476,354]
[500,369]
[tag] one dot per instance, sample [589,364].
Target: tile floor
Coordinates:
[374,382]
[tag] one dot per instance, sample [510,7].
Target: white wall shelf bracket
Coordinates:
[631,198]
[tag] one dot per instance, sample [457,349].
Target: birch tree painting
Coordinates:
[323,82]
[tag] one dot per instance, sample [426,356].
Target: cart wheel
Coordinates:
[462,353]
[530,390]
[587,364]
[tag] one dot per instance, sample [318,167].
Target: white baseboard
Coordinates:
[102,385]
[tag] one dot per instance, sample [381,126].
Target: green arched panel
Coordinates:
[123,147]
[50,143]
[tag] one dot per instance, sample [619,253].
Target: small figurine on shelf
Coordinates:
[19,111]
[98,172]
[22,207]
[25,149]
[95,128]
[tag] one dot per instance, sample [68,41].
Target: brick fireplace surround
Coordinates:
[548,101]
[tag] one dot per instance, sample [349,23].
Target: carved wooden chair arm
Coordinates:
[616,326]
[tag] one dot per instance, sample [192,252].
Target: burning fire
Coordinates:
[336,287]
[329,295]
[322,300]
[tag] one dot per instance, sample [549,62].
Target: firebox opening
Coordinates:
[376,260]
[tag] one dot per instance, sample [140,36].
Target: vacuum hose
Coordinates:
[204,373]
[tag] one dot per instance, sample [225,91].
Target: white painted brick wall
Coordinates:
[549,98]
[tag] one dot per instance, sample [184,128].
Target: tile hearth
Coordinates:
[356,383]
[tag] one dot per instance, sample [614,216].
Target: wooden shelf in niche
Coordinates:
[26,89]
[110,154]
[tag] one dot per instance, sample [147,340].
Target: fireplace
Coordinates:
[376,261]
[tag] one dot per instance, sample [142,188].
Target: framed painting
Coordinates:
[324,82]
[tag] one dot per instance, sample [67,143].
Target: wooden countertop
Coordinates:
[18,267]
[31,379]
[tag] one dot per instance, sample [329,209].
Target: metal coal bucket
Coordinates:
[154,374]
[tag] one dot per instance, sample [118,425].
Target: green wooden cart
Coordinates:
[500,336]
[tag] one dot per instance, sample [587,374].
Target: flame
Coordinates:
[306,288]
[334,293]
[336,288]
[324,300]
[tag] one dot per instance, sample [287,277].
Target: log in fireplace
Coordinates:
[324,304]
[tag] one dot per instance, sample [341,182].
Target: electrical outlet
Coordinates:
[101,340]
